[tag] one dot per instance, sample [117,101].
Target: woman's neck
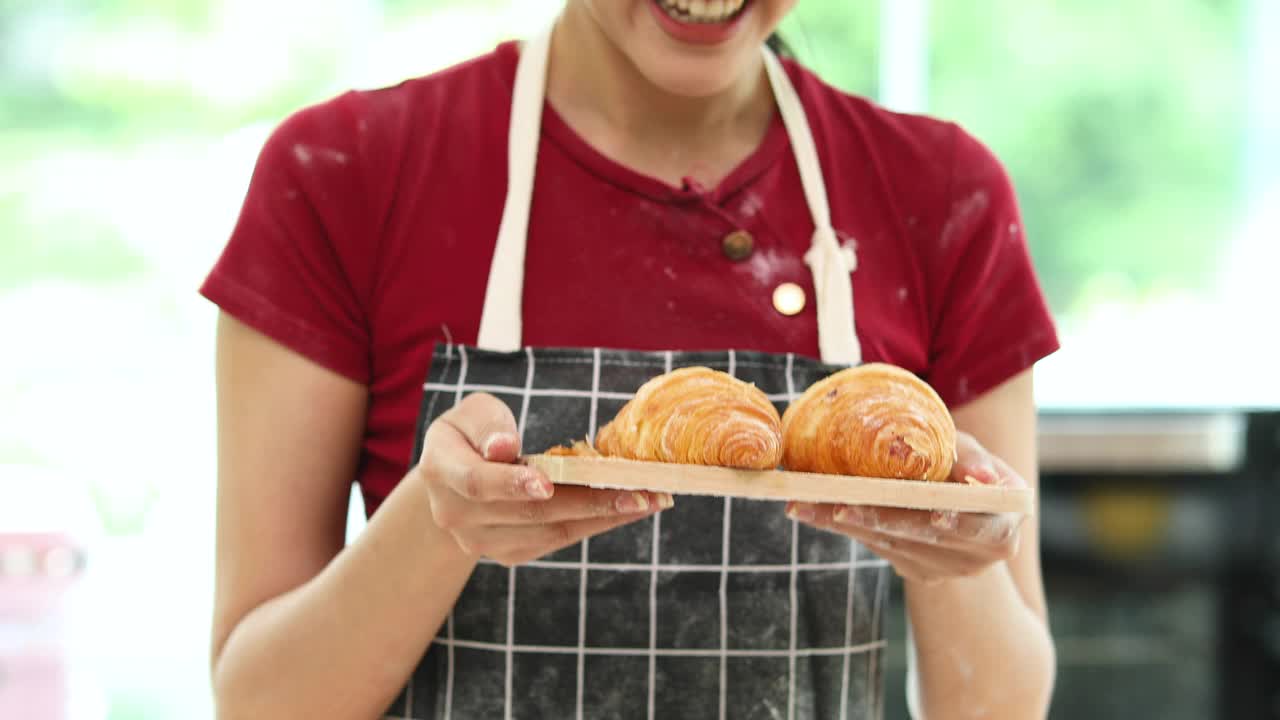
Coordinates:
[615,108]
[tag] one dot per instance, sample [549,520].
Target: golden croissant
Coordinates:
[875,420]
[696,416]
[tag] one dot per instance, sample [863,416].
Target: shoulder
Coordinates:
[848,116]
[351,153]
[907,150]
[379,122]
[447,94]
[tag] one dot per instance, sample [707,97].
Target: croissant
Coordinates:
[696,416]
[875,420]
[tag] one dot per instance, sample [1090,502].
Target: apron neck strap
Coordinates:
[830,263]
[500,323]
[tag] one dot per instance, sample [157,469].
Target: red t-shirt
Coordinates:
[370,224]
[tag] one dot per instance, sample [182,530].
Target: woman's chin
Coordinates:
[696,77]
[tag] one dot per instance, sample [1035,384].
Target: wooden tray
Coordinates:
[613,473]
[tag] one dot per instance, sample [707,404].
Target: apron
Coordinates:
[716,608]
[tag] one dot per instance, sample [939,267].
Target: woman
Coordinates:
[686,199]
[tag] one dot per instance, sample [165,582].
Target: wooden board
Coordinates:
[613,473]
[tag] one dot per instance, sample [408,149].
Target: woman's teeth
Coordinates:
[702,11]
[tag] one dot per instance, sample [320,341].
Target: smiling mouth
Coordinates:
[703,12]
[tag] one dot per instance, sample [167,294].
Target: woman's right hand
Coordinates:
[508,512]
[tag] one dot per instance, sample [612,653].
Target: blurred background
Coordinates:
[1144,139]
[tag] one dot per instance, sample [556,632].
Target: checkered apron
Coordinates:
[716,608]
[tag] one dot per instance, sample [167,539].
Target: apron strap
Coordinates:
[829,262]
[500,321]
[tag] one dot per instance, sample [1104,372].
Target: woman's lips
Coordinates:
[698,33]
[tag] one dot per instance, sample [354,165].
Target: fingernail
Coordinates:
[665,501]
[632,502]
[987,475]
[802,513]
[849,515]
[536,488]
[489,442]
[944,519]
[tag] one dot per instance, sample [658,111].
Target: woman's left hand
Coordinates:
[929,547]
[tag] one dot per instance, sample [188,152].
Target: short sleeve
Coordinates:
[989,317]
[296,260]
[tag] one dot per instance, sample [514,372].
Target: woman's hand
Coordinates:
[929,547]
[505,511]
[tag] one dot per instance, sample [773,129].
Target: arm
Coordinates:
[982,642]
[306,628]
[293,611]
[974,593]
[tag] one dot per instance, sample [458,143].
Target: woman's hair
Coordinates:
[779,46]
